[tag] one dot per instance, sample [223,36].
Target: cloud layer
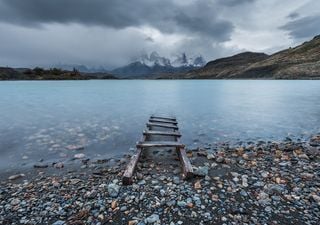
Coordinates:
[110,33]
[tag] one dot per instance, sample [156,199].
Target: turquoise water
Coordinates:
[39,119]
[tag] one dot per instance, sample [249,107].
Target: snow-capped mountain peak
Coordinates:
[180,60]
[154,59]
[183,60]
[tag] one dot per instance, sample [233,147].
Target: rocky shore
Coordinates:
[250,183]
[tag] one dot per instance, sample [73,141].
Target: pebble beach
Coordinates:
[263,182]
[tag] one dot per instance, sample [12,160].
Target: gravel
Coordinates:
[249,183]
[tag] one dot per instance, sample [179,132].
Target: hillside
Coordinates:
[7,73]
[301,62]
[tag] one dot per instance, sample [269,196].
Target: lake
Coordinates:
[45,119]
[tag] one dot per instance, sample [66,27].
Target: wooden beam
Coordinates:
[185,162]
[164,118]
[148,144]
[163,121]
[162,125]
[128,173]
[162,133]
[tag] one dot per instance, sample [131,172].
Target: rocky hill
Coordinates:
[7,73]
[301,62]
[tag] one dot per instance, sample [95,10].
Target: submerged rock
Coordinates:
[17,176]
[40,165]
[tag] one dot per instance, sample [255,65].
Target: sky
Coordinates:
[110,33]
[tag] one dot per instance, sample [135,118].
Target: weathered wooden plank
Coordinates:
[148,144]
[163,121]
[164,118]
[128,173]
[163,133]
[162,125]
[185,162]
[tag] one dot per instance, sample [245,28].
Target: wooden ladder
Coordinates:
[172,130]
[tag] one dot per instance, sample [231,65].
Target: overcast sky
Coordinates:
[112,32]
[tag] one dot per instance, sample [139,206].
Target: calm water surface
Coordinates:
[39,119]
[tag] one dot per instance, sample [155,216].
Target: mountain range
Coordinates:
[148,66]
[300,62]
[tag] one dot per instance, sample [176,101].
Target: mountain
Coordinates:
[153,65]
[301,62]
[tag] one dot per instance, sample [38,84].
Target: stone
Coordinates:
[197,185]
[152,219]
[58,165]
[79,156]
[15,201]
[171,203]
[244,182]
[113,189]
[176,180]
[220,159]
[74,147]
[17,176]
[59,222]
[265,174]
[316,198]
[181,203]
[123,208]
[133,222]
[201,171]
[114,204]
[142,182]
[210,156]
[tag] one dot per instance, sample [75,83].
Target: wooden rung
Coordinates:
[162,125]
[127,175]
[163,121]
[185,162]
[163,133]
[163,118]
[148,144]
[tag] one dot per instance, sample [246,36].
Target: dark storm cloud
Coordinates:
[234,2]
[167,16]
[304,27]
[293,15]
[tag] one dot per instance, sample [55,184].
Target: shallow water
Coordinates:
[39,119]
